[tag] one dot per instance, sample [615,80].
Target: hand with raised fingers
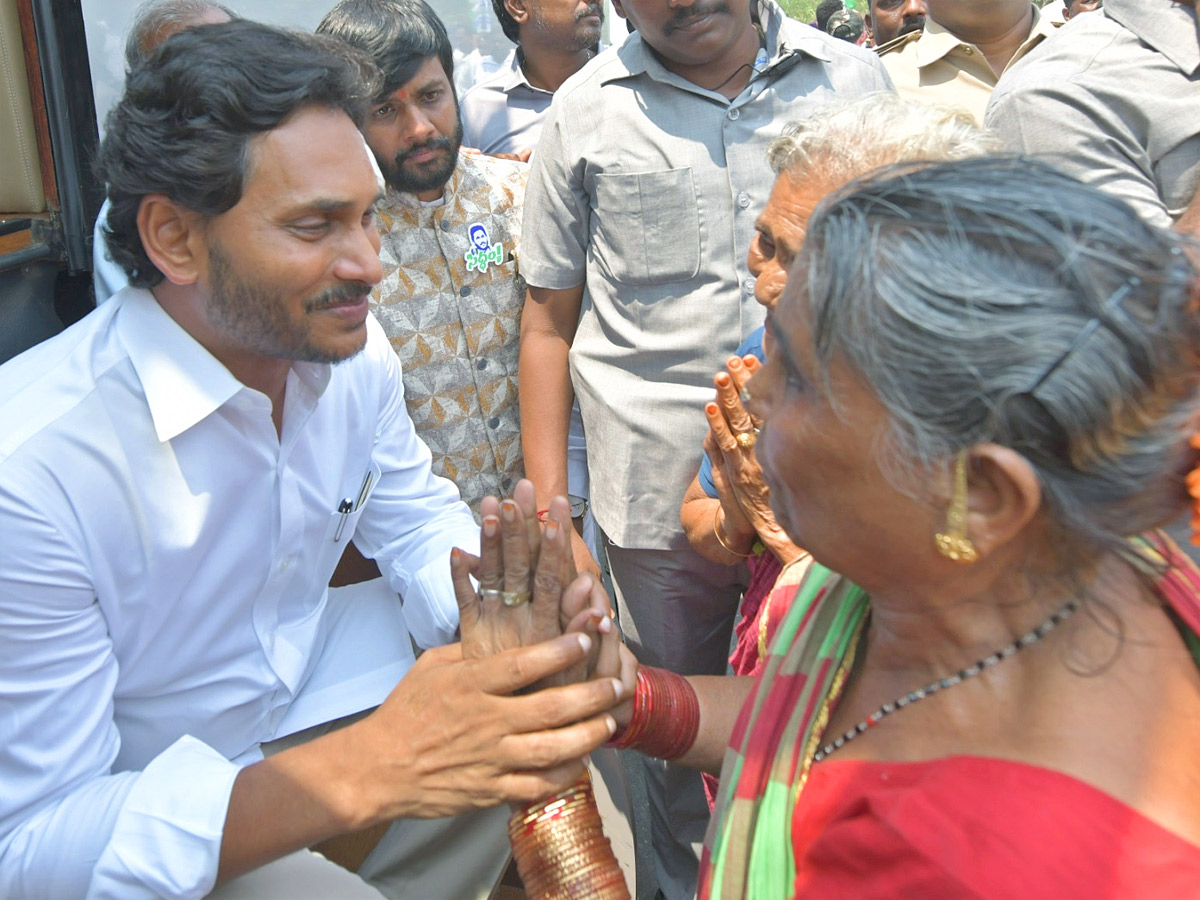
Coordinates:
[734,433]
[521,573]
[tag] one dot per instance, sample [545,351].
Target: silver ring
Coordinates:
[509,598]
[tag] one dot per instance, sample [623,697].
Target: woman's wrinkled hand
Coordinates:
[733,432]
[523,573]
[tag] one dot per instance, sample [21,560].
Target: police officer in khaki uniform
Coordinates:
[965,48]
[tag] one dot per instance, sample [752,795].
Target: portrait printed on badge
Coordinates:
[482,252]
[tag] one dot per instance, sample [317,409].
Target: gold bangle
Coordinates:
[721,540]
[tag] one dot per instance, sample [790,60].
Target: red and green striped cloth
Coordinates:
[749,851]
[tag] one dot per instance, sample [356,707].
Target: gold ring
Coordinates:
[746,439]
[509,598]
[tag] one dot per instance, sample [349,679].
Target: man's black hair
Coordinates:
[507,23]
[825,9]
[184,124]
[398,35]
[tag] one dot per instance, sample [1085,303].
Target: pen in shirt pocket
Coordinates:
[349,506]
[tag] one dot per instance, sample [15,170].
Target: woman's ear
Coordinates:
[170,236]
[1003,496]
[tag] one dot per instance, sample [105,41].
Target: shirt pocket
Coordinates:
[340,527]
[648,228]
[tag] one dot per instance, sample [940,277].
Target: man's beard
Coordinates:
[257,316]
[910,27]
[429,177]
[587,39]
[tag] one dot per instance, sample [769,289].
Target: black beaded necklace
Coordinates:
[958,677]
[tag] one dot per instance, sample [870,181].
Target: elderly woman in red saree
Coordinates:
[976,407]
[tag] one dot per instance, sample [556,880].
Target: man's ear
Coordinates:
[620,9]
[518,9]
[1004,495]
[171,238]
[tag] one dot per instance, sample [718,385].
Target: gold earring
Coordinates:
[954,543]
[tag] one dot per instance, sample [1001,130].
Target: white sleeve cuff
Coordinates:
[167,839]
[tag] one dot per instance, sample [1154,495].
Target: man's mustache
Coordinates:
[593,9]
[438,143]
[342,295]
[685,15]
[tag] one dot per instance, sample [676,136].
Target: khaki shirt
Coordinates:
[934,66]
[1114,100]
[454,319]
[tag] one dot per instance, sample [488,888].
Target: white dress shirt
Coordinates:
[163,609]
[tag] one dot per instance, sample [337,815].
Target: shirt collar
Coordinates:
[783,41]
[1170,31]
[936,42]
[514,75]
[183,382]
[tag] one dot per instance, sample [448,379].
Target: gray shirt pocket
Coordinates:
[648,226]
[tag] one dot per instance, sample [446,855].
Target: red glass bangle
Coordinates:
[666,716]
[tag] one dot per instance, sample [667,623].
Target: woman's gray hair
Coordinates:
[156,20]
[998,300]
[847,139]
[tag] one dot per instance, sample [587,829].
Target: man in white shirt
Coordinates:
[179,474]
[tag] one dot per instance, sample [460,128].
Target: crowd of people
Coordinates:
[783,414]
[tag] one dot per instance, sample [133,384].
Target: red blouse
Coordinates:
[970,826]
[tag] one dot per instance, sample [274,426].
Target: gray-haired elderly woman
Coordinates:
[725,511]
[976,407]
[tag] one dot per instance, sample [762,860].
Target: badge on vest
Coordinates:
[482,254]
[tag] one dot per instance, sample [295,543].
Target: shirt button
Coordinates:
[445,226]
[284,563]
[733,114]
[506,482]
[464,291]
[481,363]
[493,422]
[748,285]
[743,200]
[970,51]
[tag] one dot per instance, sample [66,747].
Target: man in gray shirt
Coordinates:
[1114,100]
[503,113]
[638,218]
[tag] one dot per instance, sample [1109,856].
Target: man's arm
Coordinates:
[448,739]
[69,824]
[544,384]
[412,518]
